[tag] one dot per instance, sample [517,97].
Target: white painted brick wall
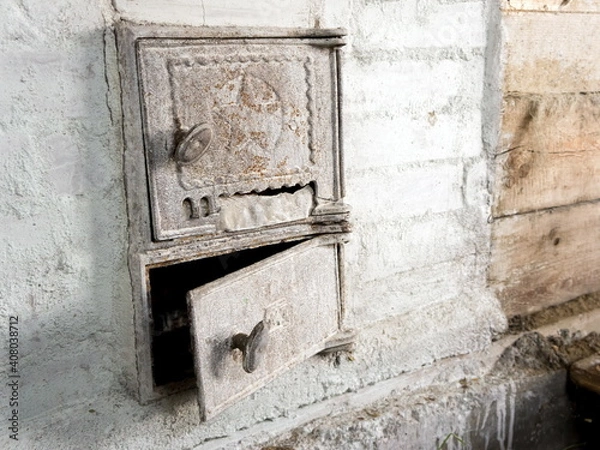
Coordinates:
[421,243]
[383,140]
[381,82]
[418,24]
[382,194]
[416,179]
[281,13]
[414,110]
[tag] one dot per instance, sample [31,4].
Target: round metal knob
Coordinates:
[253,346]
[194,144]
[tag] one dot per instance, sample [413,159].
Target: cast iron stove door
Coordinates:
[240,134]
[233,145]
[252,325]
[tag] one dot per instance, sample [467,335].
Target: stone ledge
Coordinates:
[499,398]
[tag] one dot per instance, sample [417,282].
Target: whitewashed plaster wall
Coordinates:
[417,177]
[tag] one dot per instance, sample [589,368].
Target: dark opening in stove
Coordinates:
[172,358]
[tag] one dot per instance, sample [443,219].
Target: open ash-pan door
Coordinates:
[252,325]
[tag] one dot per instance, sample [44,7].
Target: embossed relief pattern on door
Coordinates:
[233,120]
[235,191]
[295,294]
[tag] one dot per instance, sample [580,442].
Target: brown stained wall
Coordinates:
[545,233]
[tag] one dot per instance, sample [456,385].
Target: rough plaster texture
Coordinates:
[64,221]
[417,178]
[476,415]
[447,396]
[513,395]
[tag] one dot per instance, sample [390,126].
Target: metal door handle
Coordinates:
[253,346]
[195,144]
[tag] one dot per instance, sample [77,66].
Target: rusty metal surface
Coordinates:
[235,117]
[232,142]
[295,294]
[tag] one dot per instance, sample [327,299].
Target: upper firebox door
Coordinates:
[239,134]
